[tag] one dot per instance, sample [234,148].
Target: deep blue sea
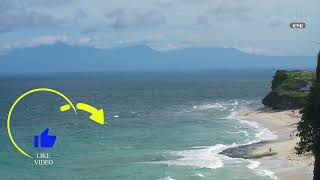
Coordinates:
[161,125]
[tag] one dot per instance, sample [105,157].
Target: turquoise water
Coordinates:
[161,125]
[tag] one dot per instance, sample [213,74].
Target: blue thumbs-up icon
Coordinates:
[46,141]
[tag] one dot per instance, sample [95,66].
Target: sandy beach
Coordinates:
[282,160]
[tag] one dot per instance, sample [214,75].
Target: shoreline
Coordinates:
[282,159]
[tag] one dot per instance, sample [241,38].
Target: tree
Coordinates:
[309,126]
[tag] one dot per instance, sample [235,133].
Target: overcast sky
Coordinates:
[254,26]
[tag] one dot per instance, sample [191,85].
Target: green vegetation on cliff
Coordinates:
[292,83]
[289,89]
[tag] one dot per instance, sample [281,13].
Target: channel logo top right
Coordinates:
[297,25]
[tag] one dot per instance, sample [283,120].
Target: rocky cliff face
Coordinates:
[283,102]
[289,89]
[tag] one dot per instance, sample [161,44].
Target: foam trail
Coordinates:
[223,105]
[209,157]
[202,158]
[262,134]
[199,175]
[166,178]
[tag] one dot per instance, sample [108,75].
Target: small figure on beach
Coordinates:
[270,149]
[291,136]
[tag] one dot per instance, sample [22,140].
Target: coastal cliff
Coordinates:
[289,89]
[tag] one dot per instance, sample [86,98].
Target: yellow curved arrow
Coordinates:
[17,101]
[96,115]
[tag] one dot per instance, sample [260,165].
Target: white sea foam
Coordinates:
[262,134]
[208,157]
[166,178]
[266,134]
[116,116]
[211,106]
[223,105]
[202,156]
[199,175]
[254,165]
[244,132]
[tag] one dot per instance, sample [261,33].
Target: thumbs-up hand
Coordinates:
[46,140]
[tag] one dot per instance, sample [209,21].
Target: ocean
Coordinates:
[160,125]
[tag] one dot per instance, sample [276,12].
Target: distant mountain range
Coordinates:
[64,58]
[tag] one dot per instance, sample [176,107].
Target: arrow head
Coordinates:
[98,117]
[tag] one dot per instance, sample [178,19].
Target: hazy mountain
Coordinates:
[64,58]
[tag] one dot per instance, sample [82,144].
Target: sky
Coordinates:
[252,26]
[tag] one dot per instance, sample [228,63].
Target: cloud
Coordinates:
[47,40]
[164,3]
[16,15]
[276,22]
[203,20]
[5,5]
[232,9]
[80,14]
[85,41]
[256,50]
[212,22]
[24,19]
[120,18]
[18,5]
[47,3]
[227,10]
